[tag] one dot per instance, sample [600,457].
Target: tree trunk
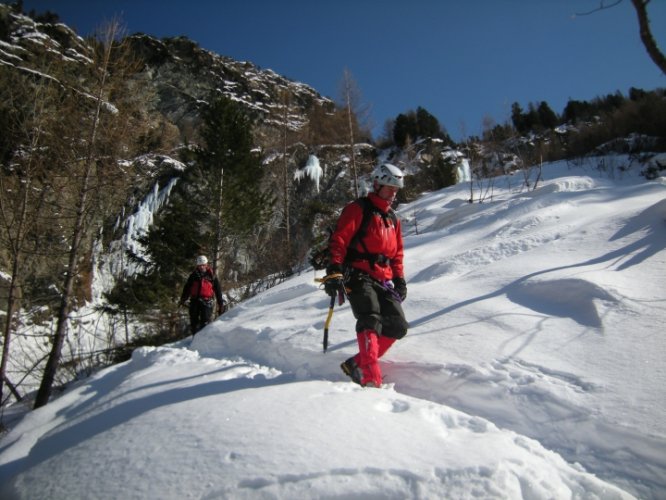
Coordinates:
[646,35]
[25,215]
[217,251]
[78,232]
[44,392]
[351,145]
[11,309]
[14,285]
[285,181]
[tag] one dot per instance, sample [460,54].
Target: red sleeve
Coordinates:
[348,223]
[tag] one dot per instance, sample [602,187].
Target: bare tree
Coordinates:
[90,115]
[286,212]
[647,38]
[24,184]
[351,103]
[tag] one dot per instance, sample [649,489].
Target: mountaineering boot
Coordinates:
[351,369]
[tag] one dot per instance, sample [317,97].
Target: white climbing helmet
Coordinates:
[388,175]
[202,260]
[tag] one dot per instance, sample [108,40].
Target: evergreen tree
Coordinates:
[537,117]
[531,118]
[403,130]
[413,125]
[217,198]
[636,94]
[518,118]
[427,125]
[547,117]
[577,111]
[230,174]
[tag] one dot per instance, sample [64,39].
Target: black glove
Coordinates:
[333,281]
[400,287]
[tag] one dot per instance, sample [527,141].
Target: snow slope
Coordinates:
[533,369]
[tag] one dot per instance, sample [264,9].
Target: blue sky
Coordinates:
[461,60]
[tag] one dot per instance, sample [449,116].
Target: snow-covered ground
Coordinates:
[534,368]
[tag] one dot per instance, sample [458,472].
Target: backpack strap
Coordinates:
[369,210]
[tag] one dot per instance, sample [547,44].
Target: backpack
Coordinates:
[320,258]
[202,288]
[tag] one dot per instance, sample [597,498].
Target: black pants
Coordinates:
[201,312]
[375,307]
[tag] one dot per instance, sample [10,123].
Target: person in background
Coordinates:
[202,289]
[371,271]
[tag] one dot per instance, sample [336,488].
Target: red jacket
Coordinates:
[381,237]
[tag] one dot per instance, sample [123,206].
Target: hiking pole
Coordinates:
[328,322]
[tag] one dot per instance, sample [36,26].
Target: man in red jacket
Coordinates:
[202,289]
[371,270]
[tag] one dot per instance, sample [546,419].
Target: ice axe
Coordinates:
[328,322]
[331,306]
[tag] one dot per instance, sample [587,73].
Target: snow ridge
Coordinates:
[532,369]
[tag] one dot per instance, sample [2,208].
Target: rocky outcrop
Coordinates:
[184,76]
[176,76]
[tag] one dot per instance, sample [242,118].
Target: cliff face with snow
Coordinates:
[173,80]
[182,76]
[171,83]
[176,75]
